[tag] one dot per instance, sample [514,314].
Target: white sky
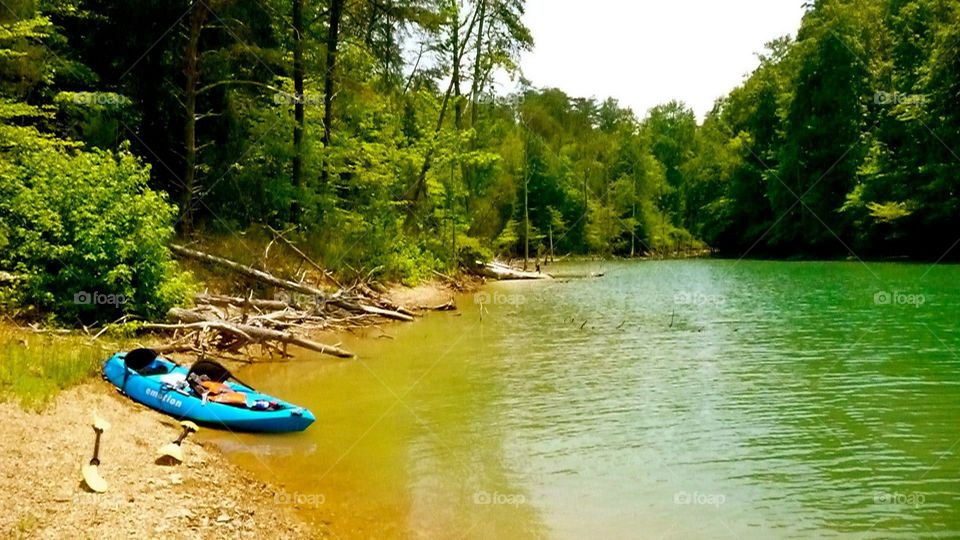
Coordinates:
[646,52]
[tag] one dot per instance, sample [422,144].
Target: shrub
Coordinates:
[84,230]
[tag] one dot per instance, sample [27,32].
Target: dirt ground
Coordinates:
[205,497]
[430,294]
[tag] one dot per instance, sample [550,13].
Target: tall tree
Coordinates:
[822,135]
[191,72]
[329,82]
[299,72]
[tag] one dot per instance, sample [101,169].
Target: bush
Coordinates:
[84,230]
[470,250]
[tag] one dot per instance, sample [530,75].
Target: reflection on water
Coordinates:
[687,399]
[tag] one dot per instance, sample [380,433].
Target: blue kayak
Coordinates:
[163,385]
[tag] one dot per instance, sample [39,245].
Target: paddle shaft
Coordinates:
[95,460]
[183,435]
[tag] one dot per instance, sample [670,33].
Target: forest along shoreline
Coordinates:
[43,450]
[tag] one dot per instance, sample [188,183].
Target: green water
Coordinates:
[684,399]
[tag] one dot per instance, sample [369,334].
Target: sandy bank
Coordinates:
[206,497]
[430,294]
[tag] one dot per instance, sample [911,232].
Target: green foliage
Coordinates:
[84,230]
[95,117]
[470,250]
[843,138]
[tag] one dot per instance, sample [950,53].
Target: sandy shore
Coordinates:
[206,497]
[428,295]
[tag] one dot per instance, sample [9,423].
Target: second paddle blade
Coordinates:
[172,451]
[99,423]
[92,478]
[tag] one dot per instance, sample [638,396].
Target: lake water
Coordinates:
[674,399]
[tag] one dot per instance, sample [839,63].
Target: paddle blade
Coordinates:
[186,424]
[92,478]
[172,451]
[99,423]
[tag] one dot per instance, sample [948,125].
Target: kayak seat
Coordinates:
[144,362]
[139,359]
[211,370]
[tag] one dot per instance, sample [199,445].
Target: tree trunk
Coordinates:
[475,84]
[329,81]
[551,243]
[499,271]
[298,74]
[191,72]
[455,72]
[316,294]
[526,217]
[221,300]
[253,273]
[633,216]
[419,189]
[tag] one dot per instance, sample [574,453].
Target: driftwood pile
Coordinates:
[232,328]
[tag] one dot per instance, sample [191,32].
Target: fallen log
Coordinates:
[444,277]
[448,306]
[386,313]
[270,279]
[382,302]
[248,271]
[503,272]
[203,353]
[574,275]
[192,319]
[223,326]
[323,272]
[176,348]
[220,300]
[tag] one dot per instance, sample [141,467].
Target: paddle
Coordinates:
[91,471]
[173,450]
